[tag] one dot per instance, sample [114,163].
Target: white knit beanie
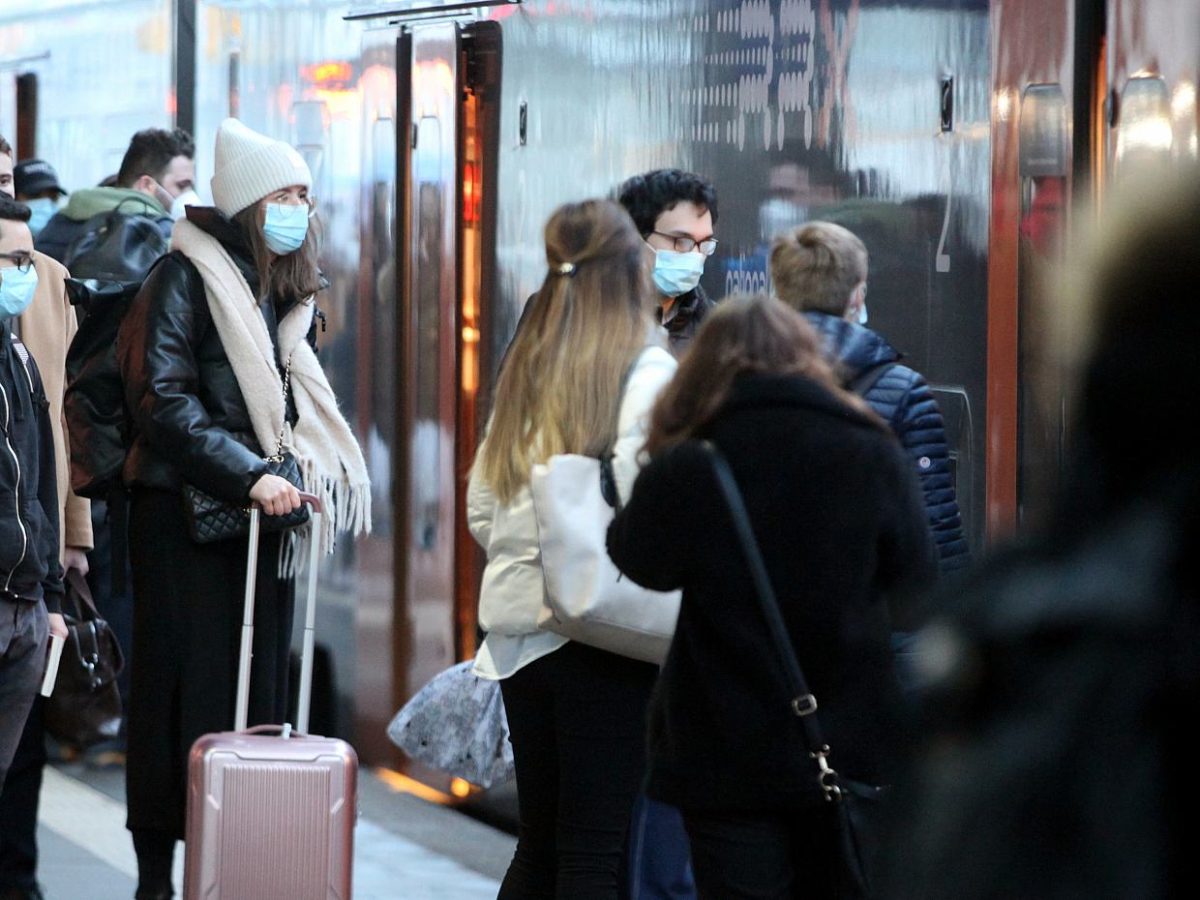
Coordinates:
[248,166]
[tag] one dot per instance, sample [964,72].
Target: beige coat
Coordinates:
[46,328]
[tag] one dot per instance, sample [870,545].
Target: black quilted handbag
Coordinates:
[210,519]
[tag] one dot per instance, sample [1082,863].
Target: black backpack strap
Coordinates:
[869,377]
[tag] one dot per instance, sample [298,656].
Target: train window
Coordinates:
[1144,133]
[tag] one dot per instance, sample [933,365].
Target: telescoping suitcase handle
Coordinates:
[242,713]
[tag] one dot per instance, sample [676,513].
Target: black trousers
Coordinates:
[763,856]
[19,806]
[186,634]
[577,719]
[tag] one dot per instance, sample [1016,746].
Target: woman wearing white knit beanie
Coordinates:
[220,376]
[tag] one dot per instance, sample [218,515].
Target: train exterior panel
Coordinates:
[951,135]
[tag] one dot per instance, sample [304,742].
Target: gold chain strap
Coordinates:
[287,382]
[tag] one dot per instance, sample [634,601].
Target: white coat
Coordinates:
[512,595]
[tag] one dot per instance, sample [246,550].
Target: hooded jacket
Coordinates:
[71,221]
[29,561]
[903,399]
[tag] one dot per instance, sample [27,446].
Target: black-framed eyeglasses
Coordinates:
[22,261]
[684,244]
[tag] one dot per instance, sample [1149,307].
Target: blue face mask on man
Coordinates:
[285,227]
[677,273]
[42,210]
[16,290]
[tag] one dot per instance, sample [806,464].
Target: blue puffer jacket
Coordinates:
[903,399]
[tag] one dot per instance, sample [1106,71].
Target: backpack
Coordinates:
[108,263]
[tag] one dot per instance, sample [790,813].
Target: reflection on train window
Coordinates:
[1144,133]
[427,303]
[1043,163]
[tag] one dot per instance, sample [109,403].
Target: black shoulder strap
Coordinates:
[803,703]
[869,377]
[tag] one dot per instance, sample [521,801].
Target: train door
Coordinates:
[446,114]
[1045,60]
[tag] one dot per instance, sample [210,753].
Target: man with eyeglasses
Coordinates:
[30,574]
[675,212]
[46,327]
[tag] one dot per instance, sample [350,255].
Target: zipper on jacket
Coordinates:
[16,488]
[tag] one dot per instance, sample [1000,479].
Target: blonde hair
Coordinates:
[816,266]
[742,335]
[559,389]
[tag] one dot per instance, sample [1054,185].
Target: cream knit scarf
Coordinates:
[329,457]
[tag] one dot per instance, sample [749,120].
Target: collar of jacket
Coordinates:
[87,202]
[756,391]
[688,308]
[854,346]
[215,223]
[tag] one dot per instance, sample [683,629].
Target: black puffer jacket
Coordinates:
[29,565]
[188,414]
[903,399]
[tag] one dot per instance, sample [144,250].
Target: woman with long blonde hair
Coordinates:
[836,513]
[580,377]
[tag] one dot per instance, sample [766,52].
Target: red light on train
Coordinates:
[472,199]
[331,76]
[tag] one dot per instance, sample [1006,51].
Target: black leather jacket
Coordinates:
[188,417]
[29,565]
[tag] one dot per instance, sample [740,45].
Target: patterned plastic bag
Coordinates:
[456,723]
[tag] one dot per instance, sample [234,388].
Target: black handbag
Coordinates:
[858,806]
[85,708]
[210,519]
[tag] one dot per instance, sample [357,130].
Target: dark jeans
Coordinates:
[659,863]
[19,806]
[763,856]
[577,720]
[23,632]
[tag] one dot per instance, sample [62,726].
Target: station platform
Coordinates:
[405,848]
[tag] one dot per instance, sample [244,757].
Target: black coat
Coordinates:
[687,315]
[29,564]
[187,411]
[839,519]
[903,399]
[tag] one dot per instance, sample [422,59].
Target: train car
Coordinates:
[952,135]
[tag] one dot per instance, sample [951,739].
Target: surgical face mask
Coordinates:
[677,273]
[862,314]
[777,215]
[179,205]
[16,290]
[285,227]
[42,210]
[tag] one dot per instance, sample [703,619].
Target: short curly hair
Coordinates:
[12,211]
[647,196]
[151,151]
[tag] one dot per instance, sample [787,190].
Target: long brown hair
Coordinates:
[292,276]
[559,389]
[743,334]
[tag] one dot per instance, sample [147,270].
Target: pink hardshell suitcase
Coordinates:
[271,810]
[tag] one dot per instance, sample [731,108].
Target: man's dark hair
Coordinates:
[5,147]
[151,151]
[646,197]
[12,211]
